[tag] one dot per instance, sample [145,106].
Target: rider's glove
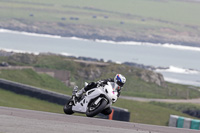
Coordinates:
[100,83]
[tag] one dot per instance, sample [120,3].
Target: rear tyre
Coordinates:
[93,109]
[68,108]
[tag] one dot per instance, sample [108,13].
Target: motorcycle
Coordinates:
[93,102]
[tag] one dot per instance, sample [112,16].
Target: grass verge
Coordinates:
[30,77]
[147,113]
[10,99]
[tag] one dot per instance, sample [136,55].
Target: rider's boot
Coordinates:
[80,93]
[75,90]
[74,99]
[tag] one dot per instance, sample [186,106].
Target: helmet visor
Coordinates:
[120,83]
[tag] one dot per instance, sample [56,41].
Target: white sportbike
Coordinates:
[93,102]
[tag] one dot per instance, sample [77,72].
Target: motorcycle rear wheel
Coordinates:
[93,110]
[68,108]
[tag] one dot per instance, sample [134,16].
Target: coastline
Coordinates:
[96,33]
[165,45]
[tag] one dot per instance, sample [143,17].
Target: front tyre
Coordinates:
[68,108]
[93,109]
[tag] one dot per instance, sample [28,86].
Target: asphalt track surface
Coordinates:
[14,120]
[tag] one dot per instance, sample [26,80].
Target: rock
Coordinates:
[140,65]
[5,53]
[150,76]
[23,58]
[90,74]
[4,64]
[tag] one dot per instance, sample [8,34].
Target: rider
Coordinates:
[117,83]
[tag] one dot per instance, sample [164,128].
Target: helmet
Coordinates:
[119,80]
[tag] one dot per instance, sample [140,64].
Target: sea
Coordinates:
[177,63]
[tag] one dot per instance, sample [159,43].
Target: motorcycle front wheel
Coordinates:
[68,108]
[93,109]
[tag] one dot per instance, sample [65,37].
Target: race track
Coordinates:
[14,120]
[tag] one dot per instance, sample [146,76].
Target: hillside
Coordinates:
[140,82]
[164,21]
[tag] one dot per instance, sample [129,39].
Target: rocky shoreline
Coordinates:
[94,33]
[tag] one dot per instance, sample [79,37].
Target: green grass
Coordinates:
[147,113]
[140,88]
[178,106]
[171,10]
[30,77]
[10,99]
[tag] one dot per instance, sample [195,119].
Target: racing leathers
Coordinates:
[92,85]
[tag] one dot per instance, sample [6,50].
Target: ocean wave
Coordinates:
[18,51]
[181,47]
[174,69]
[40,35]
[67,54]
[120,43]
[166,45]
[29,34]
[185,82]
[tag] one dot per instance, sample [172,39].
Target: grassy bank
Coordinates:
[10,99]
[181,107]
[147,113]
[30,77]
